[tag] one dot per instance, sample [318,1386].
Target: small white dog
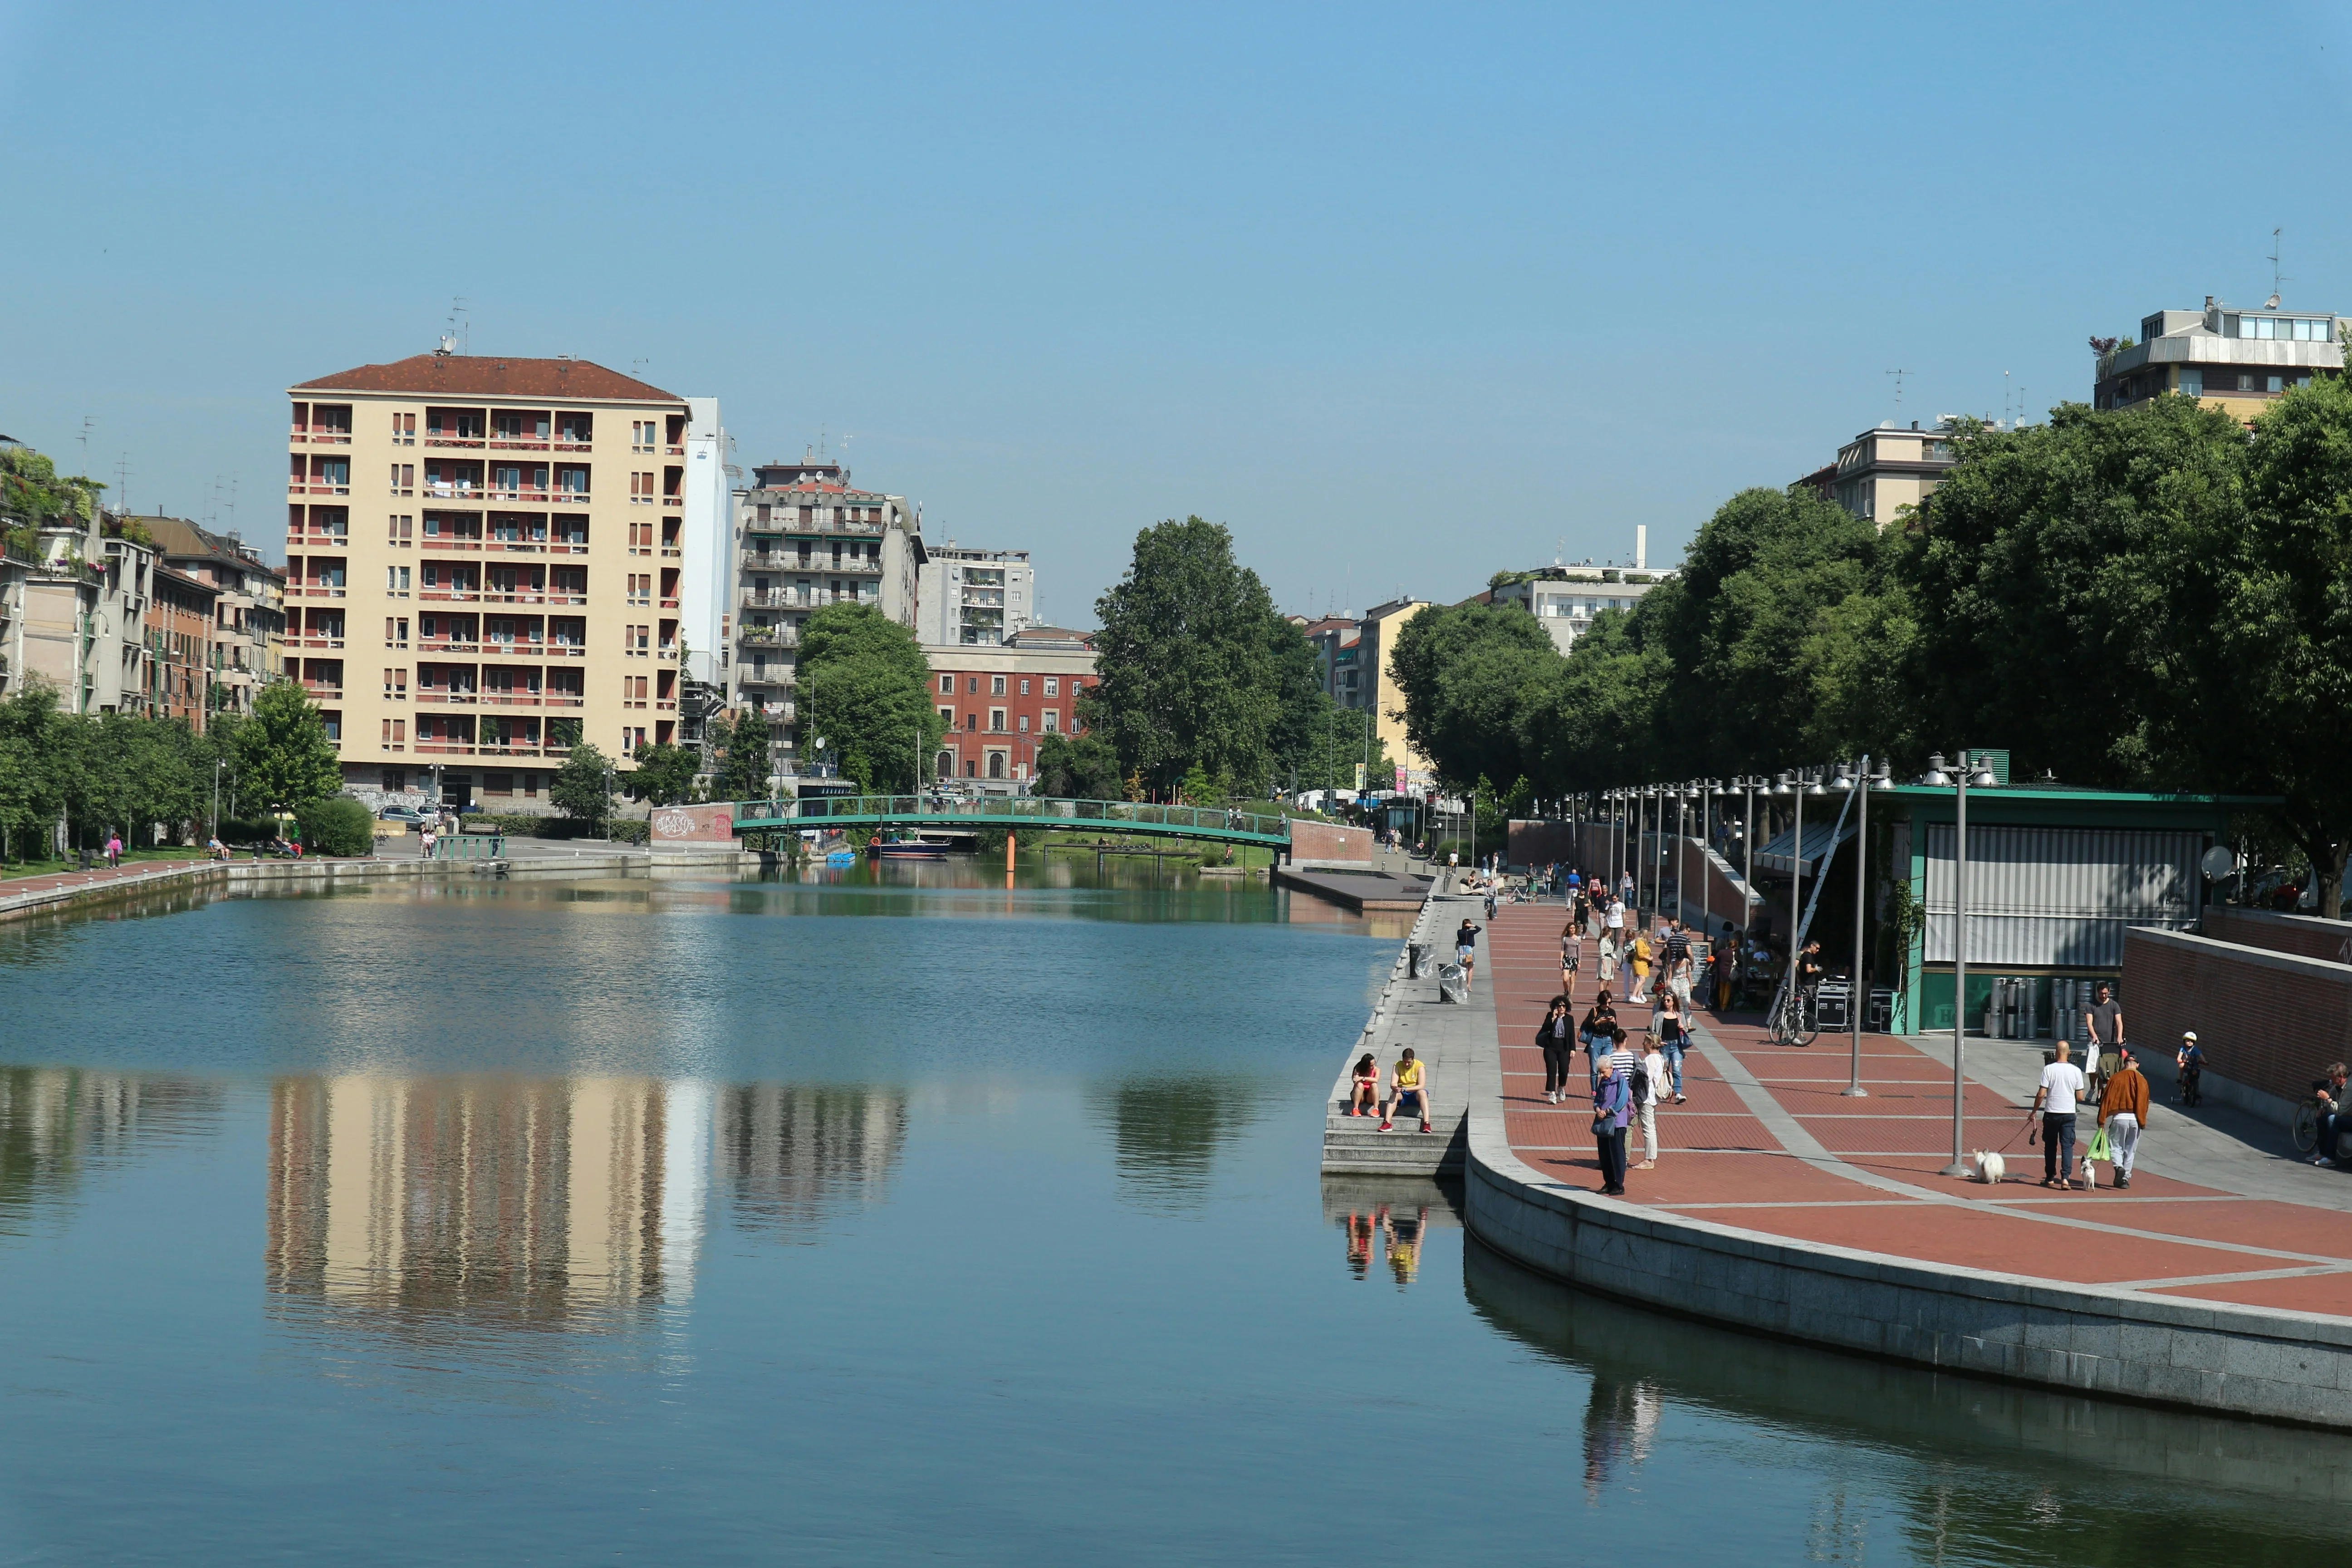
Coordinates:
[1992,1168]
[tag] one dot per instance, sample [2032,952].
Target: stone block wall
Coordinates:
[1329,844]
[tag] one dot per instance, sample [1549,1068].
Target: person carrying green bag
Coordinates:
[2122,1116]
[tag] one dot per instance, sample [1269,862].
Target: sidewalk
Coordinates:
[1768,1144]
[129,871]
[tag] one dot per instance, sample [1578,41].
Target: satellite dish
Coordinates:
[2271,303]
[2217,863]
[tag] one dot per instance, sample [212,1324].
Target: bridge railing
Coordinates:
[1014,810]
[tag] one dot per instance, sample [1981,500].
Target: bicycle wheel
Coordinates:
[2305,1127]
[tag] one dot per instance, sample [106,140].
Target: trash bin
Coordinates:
[1416,964]
[1451,986]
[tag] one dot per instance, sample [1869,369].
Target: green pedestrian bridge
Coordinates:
[915,813]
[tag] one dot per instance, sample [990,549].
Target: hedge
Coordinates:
[618,829]
[340,826]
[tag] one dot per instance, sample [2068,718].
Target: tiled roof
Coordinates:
[179,540]
[486,376]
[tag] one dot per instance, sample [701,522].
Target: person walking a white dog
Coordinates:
[2122,1113]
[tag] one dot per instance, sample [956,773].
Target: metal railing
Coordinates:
[470,846]
[1013,810]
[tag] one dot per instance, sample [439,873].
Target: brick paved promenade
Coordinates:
[1767,1143]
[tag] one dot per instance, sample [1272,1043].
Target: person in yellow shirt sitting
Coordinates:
[1411,1081]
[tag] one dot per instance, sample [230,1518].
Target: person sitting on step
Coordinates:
[1411,1081]
[1364,1098]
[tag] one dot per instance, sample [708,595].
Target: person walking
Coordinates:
[114,848]
[1677,955]
[1556,1037]
[2054,1099]
[1599,1020]
[2122,1113]
[2107,1021]
[1641,967]
[1465,949]
[1649,1088]
[1572,960]
[1611,1101]
[1674,1040]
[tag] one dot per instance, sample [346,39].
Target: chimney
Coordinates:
[1641,546]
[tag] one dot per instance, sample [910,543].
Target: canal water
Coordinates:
[865,1222]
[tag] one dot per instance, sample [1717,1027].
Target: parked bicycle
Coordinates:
[1794,1023]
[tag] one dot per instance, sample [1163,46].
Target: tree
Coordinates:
[744,770]
[2257,655]
[865,687]
[288,760]
[339,827]
[33,494]
[2050,584]
[1468,672]
[1188,673]
[664,774]
[581,790]
[1078,767]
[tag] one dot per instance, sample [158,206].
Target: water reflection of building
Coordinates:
[55,1123]
[529,1203]
[1165,1132]
[793,1157]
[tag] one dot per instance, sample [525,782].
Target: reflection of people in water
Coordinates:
[1360,1228]
[1621,1421]
[1404,1244]
[1379,1229]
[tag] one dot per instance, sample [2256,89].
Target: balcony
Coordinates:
[571,498]
[458,596]
[526,495]
[677,451]
[320,437]
[517,749]
[769,637]
[315,591]
[774,599]
[670,603]
[450,542]
[445,747]
[566,650]
[446,645]
[315,641]
[520,444]
[673,500]
[446,699]
[323,693]
[442,438]
[565,700]
[671,552]
[454,489]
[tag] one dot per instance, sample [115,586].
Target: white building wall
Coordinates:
[707,583]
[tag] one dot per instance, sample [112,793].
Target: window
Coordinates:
[996,686]
[396,632]
[397,779]
[404,434]
[1053,721]
[1025,723]
[1052,686]
[972,686]
[1024,688]
[972,720]
[634,640]
[996,719]
[947,685]
[395,684]
[2192,381]
[947,714]
[2277,384]
[395,738]
[395,581]
[641,434]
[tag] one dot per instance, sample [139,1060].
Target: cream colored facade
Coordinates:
[1376,636]
[2238,361]
[484,556]
[1884,470]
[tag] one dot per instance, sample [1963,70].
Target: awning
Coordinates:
[1822,840]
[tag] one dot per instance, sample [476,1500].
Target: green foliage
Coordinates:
[564,733]
[1078,767]
[288,761]
[664,774]
[1468,673]
[744,766]
[1198,788]
[33,494]
[520,824]
[1188,662]
[579,790]
[866,688]
[340,826]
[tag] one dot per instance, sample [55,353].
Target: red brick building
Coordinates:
[998,702]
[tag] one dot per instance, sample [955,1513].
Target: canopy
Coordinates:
[1822,840]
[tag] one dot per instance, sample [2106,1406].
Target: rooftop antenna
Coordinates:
[462,330]
[2278,279]
[123,482]
[1898,376]
[88,422]
[637,367]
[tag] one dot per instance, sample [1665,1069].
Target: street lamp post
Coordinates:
[1863,780]
[1682,848]
[1961,780]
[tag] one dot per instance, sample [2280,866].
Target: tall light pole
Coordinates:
[1863,780]
[1747,842]
[1682,846]
[1796,858]
[1961,780]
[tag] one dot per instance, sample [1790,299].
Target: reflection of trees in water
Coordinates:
[58,1123]
[421,1204]
[793,1157]
[1165,1132]
[1961,1471]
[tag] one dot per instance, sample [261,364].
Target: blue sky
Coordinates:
[1403,295]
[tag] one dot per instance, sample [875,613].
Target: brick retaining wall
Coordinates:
[2268,1020]
[2302,935]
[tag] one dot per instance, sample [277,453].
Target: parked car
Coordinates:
[402,814]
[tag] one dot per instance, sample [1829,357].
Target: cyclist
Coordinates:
[2191,1063]
[2328,1095]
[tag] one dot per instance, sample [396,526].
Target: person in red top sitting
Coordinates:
[1364,1098]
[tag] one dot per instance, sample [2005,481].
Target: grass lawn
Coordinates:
[168,852]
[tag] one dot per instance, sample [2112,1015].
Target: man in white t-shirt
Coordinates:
[2062,1085]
